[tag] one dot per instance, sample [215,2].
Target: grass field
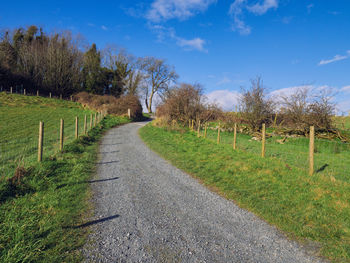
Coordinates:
[332,158]
[44,213]
[313,209]
[20,116]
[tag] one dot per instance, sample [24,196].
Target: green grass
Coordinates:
[42,218]
[331,157]
[20,116]
[308,208]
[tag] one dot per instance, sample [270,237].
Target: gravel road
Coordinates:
[146,210]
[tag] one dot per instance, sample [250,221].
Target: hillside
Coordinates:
[20,116]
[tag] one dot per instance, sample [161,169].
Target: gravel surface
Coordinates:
[146,210]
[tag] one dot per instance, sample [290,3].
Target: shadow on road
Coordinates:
[94,222]
[88,182]
[108,162]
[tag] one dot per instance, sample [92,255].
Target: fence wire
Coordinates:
[19,128]
[331,157]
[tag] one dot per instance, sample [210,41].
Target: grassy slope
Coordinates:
[332,155]
[313,208]
[20,116]
[42,217]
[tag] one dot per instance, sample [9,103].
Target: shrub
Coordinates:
[111,104]
[186,103]
[302,110]
[257,108]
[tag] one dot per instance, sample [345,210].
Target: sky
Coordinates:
[221,44]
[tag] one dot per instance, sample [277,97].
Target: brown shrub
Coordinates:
[257,108]
[185,103]
[111,104]
[301,109]
[124,103]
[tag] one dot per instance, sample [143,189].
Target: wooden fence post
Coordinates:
[218,140]
[205,130]
[11,90]
[40,141]
[50,95]
[61,134]
[37,93]
[71,98]
[90,121]
[263,140]
[24,92]
[129,113]
[311,150]
[95,119]
[192,125]
[199,129]
[76,128]
[60,96]
[85,125]
[234,136]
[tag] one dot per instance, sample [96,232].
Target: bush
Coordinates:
[122,104]
[257,108]
[111,104]
[301,110]
[186,103]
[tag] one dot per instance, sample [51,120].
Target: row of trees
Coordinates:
[59,63]
[294,112]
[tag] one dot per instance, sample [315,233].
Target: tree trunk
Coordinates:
[150,102]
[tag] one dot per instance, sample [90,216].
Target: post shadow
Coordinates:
[94,222]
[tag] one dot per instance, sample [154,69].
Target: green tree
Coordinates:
[92,71]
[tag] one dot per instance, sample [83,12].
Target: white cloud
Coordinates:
[335,59]
[288,91]
[104,28]
[224,98]
[188,44]
[259,8]
[345,89]
[181,9]
[262,8]
[191,44]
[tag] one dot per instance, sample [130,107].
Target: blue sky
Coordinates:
[221,44]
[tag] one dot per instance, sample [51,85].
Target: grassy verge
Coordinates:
[307,208]
[20,116]
[43,207]
[331,157]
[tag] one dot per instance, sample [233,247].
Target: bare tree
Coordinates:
[127,67]
[159,76]
[256,106]
[296,106]
[306,107]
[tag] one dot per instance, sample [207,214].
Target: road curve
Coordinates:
[146,210]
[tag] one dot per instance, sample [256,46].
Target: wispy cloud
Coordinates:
[288,91]
[104,28]
[162,10]
[262,8]
[238,7]
[187,44]
[226,99]
[223,81]
[345,89]
[334,59]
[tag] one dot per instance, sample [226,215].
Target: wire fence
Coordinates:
[19,128]
[331,157]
